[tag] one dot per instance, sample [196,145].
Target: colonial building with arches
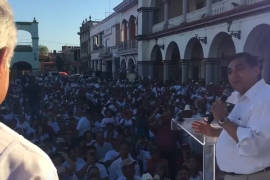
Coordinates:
[181,39]
[114,47]
[188,39]
[27,53]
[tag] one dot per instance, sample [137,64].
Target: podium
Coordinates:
[208,143]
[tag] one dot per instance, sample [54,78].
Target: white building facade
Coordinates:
[181,39]
[188,39]
[85,44]
[114,47]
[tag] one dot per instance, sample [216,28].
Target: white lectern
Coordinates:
[208,144]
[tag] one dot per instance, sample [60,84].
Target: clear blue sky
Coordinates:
[59,20]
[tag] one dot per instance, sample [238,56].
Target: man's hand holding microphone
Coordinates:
[219,113]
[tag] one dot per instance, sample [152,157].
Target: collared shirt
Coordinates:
[115,169]
[20,159]
[101,150]
[252,115]
[110,155]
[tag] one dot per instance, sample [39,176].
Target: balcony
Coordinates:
[223,6]
[106,52]
[131,44]
[128,47]
[218,7]
[250,2]
[196,14]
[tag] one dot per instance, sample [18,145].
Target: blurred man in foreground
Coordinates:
[19,158]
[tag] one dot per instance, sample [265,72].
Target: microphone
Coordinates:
[210,116]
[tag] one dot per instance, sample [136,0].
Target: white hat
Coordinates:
[147,176]
[127,162]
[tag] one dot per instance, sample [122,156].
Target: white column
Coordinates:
[208,72]
[217,71]
[100,65]
[128,33]
[184,67]
[136,28]
[96,62]
[104,65]
[166,13]
[184,10]
[211,71]
[209,7]
[202,69]
[191,68]
[166,70]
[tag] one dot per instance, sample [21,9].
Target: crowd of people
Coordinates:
[100,129]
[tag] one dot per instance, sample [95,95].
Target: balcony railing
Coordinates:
[223,6]
[250,2]
[218,7]
[106,52]
[127,45]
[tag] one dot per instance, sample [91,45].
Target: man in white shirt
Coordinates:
[242,149]
[92,162]
[102,147]
[83,125]
[128,169]
[115,169]
[19,158]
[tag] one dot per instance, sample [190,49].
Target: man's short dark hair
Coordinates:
[251,60]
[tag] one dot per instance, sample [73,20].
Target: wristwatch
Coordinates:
[222,121]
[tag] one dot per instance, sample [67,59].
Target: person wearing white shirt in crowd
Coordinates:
[54,125]
[108,118]
[115,169]
[93,173]
[19,158]
[245,137]
[88,136]
[73,161]
[102,146]
[127,119]
[128,169]
[83,125]
[92,162]
[110,131]
[113,154]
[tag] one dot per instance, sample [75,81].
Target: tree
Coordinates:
[43,50]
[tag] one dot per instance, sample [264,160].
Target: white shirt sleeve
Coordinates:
[102,170]
[113,171]
[29,166]
[20,159]
[254,139]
